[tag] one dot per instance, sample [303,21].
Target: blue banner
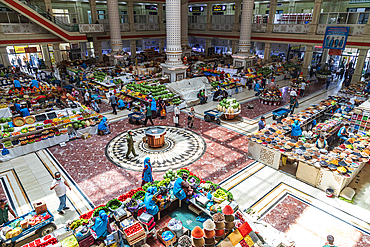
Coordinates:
[335,38]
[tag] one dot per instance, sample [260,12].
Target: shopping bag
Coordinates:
[175,120]
[163,113]
[5,151]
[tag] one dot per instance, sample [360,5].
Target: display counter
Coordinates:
[263,154]
[155,136]
[92,130]
[5,112]
[29,148]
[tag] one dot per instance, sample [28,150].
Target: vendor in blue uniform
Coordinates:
[321,143]
[34,83]
[153,107]
[103,127]
[24,111]
[121,104]
[17,84]
[181,188]
[150,201]
[343,132]
[18,106]
[296,130]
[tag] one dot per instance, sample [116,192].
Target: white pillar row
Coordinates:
[357,75]
[236,17]
[267,52]
[184,23]
[324,56]
[57,55]
[307,60]
[130,13]
[4,57]
[315,17]
[46,55]
[246,27]
[160,16]
[93,11]
[133,48]
[272,12]
[173,29]
[291,8]
[114,26]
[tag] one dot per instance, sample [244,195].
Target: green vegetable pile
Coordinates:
[165,182]
[100,76]
[140,195]
[114,204]
[181,171]
[176,101]
[156,90]
[170,175]
[77,223]
[96,211]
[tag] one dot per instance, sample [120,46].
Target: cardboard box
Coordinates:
[86,135]
[40,207]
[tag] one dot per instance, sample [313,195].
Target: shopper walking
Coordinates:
[148,115]
[130,145]
[191,116]
[293,104]
[162,108]
[60,188]
[176,117]
[303,87]
[113,102]
[328,80]
[87,98]
[330,242]
[147,175]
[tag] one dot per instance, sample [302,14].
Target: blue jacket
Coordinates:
[25,112]
[17,83]
[101,224]
[35,83]
[342,131]
[177,189]
[296,129]
[102,125]
[17,106]
[153,105]
[150,205]
[121,104]
[147,175]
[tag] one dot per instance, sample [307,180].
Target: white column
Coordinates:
[307,60]
[209,16]
[173,28]
[93,11]
[133,48]
[57,56]
[83,49]
[4,57]
[246,27]
[272,11]
[160,16]
[234,46]
[184,23]
[80,12]
[208,45]
[267,52]
[48,6]
[114,26]
[291,8]
[236,17]
[315,17]
[46,55]
[357,75]
[130,13]
[324,56]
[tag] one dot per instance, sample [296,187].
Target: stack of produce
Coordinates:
[229,106]
[184,241]
[219,220]
[229,218]
[197,236]
[209,233]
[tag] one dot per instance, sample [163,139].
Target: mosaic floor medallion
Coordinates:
[182,147]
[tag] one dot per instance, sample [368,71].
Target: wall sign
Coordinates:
[196,9]
[219,7]
[336,38]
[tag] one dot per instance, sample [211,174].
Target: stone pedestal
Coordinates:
[174,73]
[243,60]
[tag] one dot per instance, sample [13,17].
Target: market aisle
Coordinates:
[27,179]
[264,188]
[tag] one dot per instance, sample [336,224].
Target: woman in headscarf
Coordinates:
[150,201]
[147,175]
[153,107]
[181,188]
[296,130]
[101,226]
[121,104]
[103,127]
[162,108]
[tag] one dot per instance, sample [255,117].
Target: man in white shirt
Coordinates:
[87,98]
[176,118]
[303,87]
[43,75]
[60,187]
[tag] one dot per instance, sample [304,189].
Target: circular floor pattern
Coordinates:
[182,147]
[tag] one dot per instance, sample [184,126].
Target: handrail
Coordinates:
[50,17]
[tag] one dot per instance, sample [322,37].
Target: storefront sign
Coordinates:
[30,49]
[295,47]
[219,8]
[19,49]
[335,52]
[196,9]
[335,38]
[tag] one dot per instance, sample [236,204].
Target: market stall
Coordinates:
[355,90]
[271,95]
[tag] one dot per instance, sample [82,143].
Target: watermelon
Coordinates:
[75,125]
[81,110]
[8,119]
[3,119]
[11,129]
[80,126]
[83,123]
[74,112]
[6,126]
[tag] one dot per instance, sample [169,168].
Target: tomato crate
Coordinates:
[134,233]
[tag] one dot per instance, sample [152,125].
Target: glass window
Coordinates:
[101,14]
[279,11]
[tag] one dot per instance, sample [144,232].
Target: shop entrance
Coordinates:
[20,55]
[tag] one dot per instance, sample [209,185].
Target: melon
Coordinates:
[3,119]
[83,123]
[8,119]
[87,124]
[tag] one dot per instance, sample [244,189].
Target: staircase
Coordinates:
[40,16]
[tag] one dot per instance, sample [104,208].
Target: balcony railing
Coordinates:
[290,28]
[340,18]
[197,19]
[146,19]
[91,28]
[355,29]
[22,28]
[259,19]
[12,17]
[294,18]
[222,22]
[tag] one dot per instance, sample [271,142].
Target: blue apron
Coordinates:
[177,189]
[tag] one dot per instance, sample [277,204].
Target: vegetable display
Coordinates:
[114,204]
[229,105]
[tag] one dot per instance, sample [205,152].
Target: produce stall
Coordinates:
[355,90]
[134,226]
[332,168]
[271,95]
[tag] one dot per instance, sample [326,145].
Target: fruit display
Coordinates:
[175,101]
[114,204]
[220,194]
[99,76]
[141,90]
[134,229]
[170,174]
[77,223]
[230,106]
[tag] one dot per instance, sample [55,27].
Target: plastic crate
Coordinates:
[86,242]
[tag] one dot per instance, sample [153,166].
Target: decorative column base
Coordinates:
[243,60]
[186,52]
[174,73]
